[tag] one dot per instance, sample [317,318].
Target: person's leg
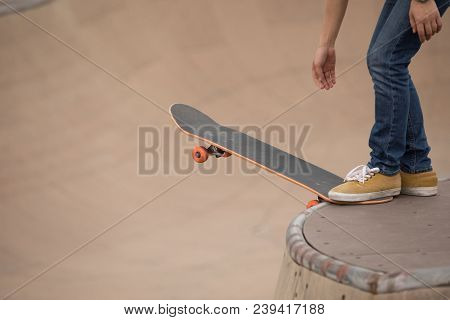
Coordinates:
[391,50]
[384,15]
[379,185]
[415,158]
[417,176]
[388,61]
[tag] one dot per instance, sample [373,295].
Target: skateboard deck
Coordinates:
[225,141]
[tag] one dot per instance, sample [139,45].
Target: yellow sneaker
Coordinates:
[423,184]
[364,183]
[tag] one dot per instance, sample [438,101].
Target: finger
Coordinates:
[428,31]
[421,32]
[439,23]
[321,76]
[329,80]
[412,22]
[434,27]
[333,76]
[318,83]
[316,78]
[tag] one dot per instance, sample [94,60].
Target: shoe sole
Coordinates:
[357,197]
[420,191]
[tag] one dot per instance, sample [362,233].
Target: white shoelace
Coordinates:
[361,173]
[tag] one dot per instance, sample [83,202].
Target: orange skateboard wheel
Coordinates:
[199,154]
[312,203]
[226,154]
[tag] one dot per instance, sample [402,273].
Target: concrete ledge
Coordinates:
[402,269]
[297,282]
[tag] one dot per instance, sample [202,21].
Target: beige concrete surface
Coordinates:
[69,122]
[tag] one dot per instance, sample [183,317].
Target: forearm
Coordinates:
[334,14]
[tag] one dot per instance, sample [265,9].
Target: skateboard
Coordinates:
[224,141]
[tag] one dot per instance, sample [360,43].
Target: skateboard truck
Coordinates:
[200,154]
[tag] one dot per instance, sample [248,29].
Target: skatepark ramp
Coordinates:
[397,250]
[8,6]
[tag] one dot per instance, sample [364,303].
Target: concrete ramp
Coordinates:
[9,6]
[397,250]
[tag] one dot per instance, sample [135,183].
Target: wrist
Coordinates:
[326,42]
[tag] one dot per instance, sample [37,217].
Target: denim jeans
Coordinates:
[397,139]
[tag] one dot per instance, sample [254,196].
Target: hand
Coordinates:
[323,67]
[425,19]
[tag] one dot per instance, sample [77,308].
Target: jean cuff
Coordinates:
[416,171]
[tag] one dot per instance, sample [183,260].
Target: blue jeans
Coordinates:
[397,139]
